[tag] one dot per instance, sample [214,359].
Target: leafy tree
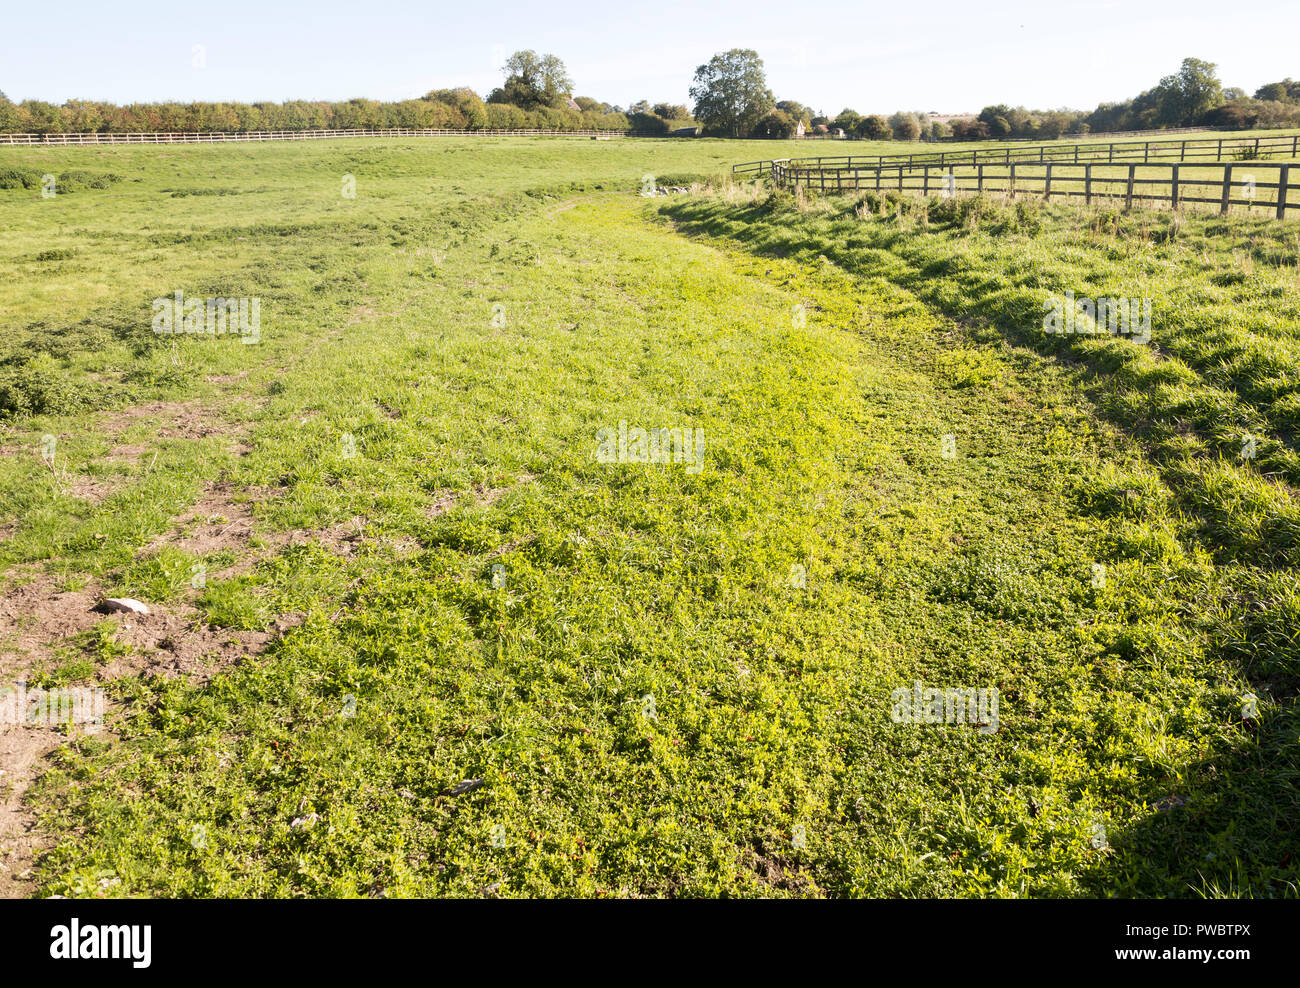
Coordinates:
[874,128]
[465,102]
[45,118]
[796,110]
[847,121]
[905,126]
[970,130]
[1188,95]
[533,81]
[1285,91]
[777,124]
[671,111]
[730,93]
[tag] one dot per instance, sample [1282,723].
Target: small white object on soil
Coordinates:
[116,604]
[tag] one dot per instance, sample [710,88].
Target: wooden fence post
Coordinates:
[1227,190]
[1128,203]
[1087,185]
[925,188]
[981,180]
[1173,188]
[1047,182]
[1011,185]
[1282,191]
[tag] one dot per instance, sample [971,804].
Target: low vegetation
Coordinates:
[444,649]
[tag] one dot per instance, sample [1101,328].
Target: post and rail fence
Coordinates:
[1234,183]
[200,137]
[1145,152]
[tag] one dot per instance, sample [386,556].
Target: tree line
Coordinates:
[731,99]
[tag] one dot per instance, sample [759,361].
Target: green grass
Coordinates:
[654,706]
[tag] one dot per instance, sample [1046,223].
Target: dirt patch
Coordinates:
[92,489]
[216,523]
[128,454]
[22,749]
[34,619]
[38,614]
[178,420]
[178,642]
[171,641]
[776,870]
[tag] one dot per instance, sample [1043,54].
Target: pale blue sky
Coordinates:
[938,55]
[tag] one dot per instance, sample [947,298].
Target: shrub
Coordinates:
[33,390]
[19,178]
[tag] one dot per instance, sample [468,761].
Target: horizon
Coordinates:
[146,53]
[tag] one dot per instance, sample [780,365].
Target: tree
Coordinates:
[777,124]
[970,130]
[796,110]
[1188,95]
[874,128]
[533,81]
[1285,91]
[905,126]
[671,111]
[730,93]
[465,102]
[847,121]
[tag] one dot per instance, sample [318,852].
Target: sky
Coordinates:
[940,55]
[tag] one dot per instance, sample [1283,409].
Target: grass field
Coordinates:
[412,636]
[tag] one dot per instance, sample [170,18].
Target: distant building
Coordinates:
[686,132]
[572,104]
[800,129]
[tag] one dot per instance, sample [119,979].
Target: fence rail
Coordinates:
[181,137]
[1210,148]
[1235,182]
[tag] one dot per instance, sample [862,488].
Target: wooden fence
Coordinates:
[1210,148]
[1235,183]
[284,135]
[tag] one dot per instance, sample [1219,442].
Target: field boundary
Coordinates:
[1234,182]
[216,137]
[1211,148]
